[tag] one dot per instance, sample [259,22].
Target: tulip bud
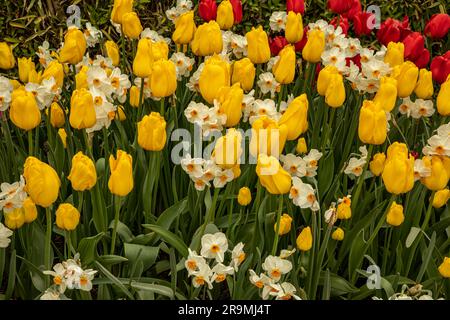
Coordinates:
[394,54]
[443,99]
[67,217]
[315,45]
[305,239]
[284,68]
[81,79]
[285,225]
[207,40]
[268,137]
[225,16]
[237,10]
[56,70]
[57,115]
[184,28]
[230,99]
[207,9]
[42,182]
[120,115]
[444,268]
[63,136]
[324,77]
[438,179]
[215,75]
[134,96]
[74,46]
[441,197]
[294,27]
[121,182]
[112,50]
[82,112]
[272,176]
[335,94]
[344,209]
[152,132]
[424,87]
[163,81]
[372,127]
[143,61]
[83,175]
[296,117]
[131,25]
[258,45]
[228,149]
[29,210]
[440,67]
[120,8]
[26,66]
[376,166]
[301,146]
[24,111]
[398,172]
[298,6]
[386,96]
[338,234]
[7,60]
[406,75]
[244,73]
[15,219]
[438,26]
[244,196]
[395,216]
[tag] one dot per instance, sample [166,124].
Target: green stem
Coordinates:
[359,185]
[141,100]
[48,242]
[210,215]
[69,244]
[30,142]
[318,265]
[117,201]
[277,235]
[162,107]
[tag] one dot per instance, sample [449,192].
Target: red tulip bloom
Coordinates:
[362,23]
[438,26]
[393,30]
[207,10]
[356,60]
[276,44]
[343,23]
[423,59]
[354,9]
[340,6]
[440,67]
[414,45]
[298,6]
[237,10]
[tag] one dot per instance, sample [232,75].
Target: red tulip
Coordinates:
[354,10]
[343,23]
[440,67]
[207,9]
[423,59]
[415,154]
[340,6]
[237,10]
[362,23]
[414,45]
[276,44]
[393,30]
[356,60]
[301,44]
[298,6]
[438,26]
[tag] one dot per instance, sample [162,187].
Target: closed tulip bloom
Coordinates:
[244,72]
[81,78]
[406,75]
[441,197]
[398,172]
[184,28]
[121,180]
[82,111]
[444,268]
[424,87]
[284,68]
[7,60]
[315,45]
[338,234]
[443,99]
[344,209]
[143,61]
[376,166]
[215,75]
[230,99]
[83,175]
[134,96]
[112,50]
[258,45]
[335,94]
[305,239]
[15,219]
[386,95]
[120,8]
[163,81]
[24,111]
[244,196]
[395,216]
[67,217]
[228,149]
[395,54]
[42,182]
[120,115]
[301,148]
[207,10]
[63,136]
[438,26]
[438,179]
[268,137]
[298,6]
[207,39]
[74,46]
[26,66]
[225,16]
[296,117]
[372,128]
[272,176]
[55,70]
[131,25]
[152,132]
[285,225]
[29,210]
[324,77]
[160,50]
[57,115]
[294,27]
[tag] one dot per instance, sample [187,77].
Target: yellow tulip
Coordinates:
[258,45]
[438,179]
[294,27]
[83,175]
[42,182]
[441,197]
[74,46]
[296,117]
[272,176]
[236,171]
[24,111]
[244,196]
[305,239]
[57,115]
[443,99]
[184,28]
[324,77]
[444,268]
[67,217]
[386,95]
[15,84]
[112,50]
[230,99]
[120,8]
[338,234]
[26,66]
[82,112]
[163,81]
[225,17]
[29,210]
[394,54]
[301,148]
[120,115]
[15,219]
[160,50]
[63,136]
[244,72]
[406,75]
[131,25]
[7,60]
[142,63]
[424,87]
[81,78]
[314,47]
[395,216]
[376,166]
[398,172]
[344,209]
[207,39]
[121,180]
[335,94]
[215,75]
[284,68]
[228,149]
[268,137]
[285,225]
[152,132]
[55,70]
[372,128]
[134,96]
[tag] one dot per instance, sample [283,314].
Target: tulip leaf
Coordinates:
[109,260]
[155,288]
[170,238]
[88,248]
[146,255]
[326,174]
[412,236]
[166,218]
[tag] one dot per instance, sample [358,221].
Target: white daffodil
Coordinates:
[422,108]
[406,107]
[98,79]
[5,233]
[85,280]
[437,146]
[331,214]
[237,256]
[420,170]
[261,108]
[223,177]
[44,93]
[200,183]
[193,262]
[238,45]
[247,105]
[312,162]
[202,276]
[267,83]
[183,64]
[366,54]
[259,281]
[214,246]
[51,294]
[375,69]
[277,20]
[147,91]
[284,254]
[334,57]
[193,166]
[59,276]
[5,93]
[293,164]
[303,195]
[12,195]
[121,83]
[276,267]
[92,35]
[196,112]
[444,130]
[355,166]
[284,291]
[44,54]
[220,272]
[353,47]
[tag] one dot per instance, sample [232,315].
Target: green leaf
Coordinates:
[209,229]
[356,252]
[11,276]
[326,174]
[170,238]
[166,218]
[412,236]
[114,280]
[109,260]
[426,260]
[88,248]
[155,288]
[146,255]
